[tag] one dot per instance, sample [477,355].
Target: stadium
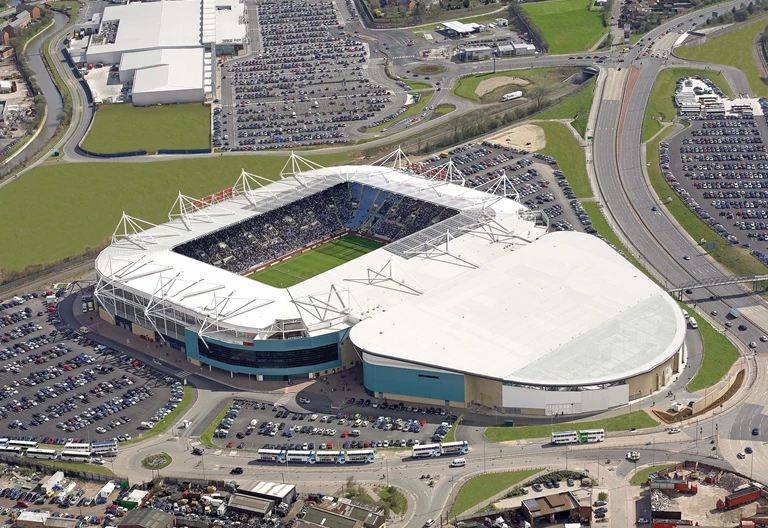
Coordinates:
[446,295]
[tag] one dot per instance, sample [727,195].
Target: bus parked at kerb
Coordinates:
[586,436]
[442,449]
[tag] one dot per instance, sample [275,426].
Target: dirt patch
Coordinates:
[528,137]
[687,413]
[430,69]
[489,85]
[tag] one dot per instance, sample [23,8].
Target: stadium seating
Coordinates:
[338,209]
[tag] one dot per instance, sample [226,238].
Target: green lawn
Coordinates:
[315,261]
[451,436]
[483,487]
[568,25]
[575,108]
[719,356]
[733,49]
[637,419]
[394,499]
[162,425]
[738,260]
[417,85]
[562,146]
[207,437]
[661,104]
[641,477]
[547,78]
[122,127]
[443,109]
[95,194]
[414,109]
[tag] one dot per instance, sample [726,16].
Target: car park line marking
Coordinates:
[217,452]
[233,453]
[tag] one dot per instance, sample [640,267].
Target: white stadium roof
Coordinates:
[477,293]
[561,311]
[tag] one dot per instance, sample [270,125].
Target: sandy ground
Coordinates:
[528,137]
[700,508]
[489,85]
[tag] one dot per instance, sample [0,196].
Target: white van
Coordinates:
[692,322]
[459,462]
[685,313]
[146,425]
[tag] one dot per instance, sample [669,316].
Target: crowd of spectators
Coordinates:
[271,235]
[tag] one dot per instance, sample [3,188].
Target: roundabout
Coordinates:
[156,461]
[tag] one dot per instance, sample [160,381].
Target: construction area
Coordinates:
[692,494]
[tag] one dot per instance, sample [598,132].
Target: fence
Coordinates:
[713,396]
[82,151]
[184,151]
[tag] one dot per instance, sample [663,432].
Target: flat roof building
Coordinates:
[551,509]
[344,513]
[277,493]
[146,518]
[242,503]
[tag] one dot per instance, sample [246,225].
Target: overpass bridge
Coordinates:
[757,281]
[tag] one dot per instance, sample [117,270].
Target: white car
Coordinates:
[99,461]
[642,520]
[303,400]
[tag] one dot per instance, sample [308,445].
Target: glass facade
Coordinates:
[278,359]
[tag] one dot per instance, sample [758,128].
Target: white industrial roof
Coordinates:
[229,26]
[565,310]
[138,263]
[165,69]
[150,25]
[272,489]
[460,27]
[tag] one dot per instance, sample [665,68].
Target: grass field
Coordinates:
[547,78]
[624,422]
[483,487]
[719,356]
[641,477]
[570,157]
[721,50]
[125,128]
[95,194]
[736,259]
[568,25]
[661,106]
[315,261]
[575,108]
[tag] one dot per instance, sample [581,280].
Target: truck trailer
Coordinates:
[682,486]
[511,96]
[739,497]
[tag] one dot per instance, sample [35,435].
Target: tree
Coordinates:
[538,93]
[603,496]
[740,15]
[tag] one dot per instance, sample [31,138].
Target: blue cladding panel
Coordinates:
[413,382]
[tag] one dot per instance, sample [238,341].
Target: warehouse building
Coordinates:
[344,513]
[256,506]
[146,518]
[476,53]
[277,493]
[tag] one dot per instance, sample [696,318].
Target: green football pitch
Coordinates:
[306,265]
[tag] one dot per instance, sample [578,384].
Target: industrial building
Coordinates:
[166,50]
[146,518]
[476,53]
[256,506]
[333,512]
[481,306]
[552,509]
[276,493]
[43,519]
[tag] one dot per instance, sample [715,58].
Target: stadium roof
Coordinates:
[566,310]
[150,25]
[487,227]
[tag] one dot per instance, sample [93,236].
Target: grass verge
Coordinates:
[74,466]
[162,425]
[412,110]
[207,437]
[562,146]
[624,422]
[557,20]
[483,487]
[451,436]
[737,259]
[394,500]
[96,193]
[575,108]
[719,356]
[442,109]
[601,225]
[661,103]
[722,50]
[126,128]
[641,477]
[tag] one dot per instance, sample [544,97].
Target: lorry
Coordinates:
[511,96]
[739,497]
[734,313]
[682,486]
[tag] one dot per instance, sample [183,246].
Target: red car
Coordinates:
[230,445]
